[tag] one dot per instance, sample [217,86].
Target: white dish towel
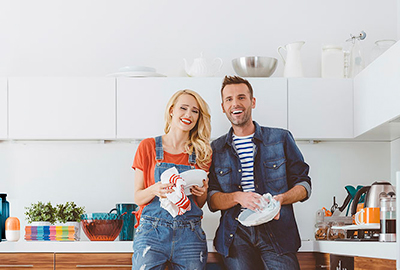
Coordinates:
[176,203]
[269,209]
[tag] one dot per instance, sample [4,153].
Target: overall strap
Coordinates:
[159,148]
[192,158]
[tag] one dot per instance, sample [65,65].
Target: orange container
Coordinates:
[12,229]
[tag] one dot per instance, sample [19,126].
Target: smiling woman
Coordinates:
[163,219]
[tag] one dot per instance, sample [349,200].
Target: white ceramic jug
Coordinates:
[293,66]
[200,68]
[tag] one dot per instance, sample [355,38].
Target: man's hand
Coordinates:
[248,200]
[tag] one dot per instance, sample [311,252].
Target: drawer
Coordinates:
[88,261]
[17,261]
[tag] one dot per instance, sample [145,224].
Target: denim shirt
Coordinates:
[278,166]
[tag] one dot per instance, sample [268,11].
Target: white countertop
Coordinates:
[363,249]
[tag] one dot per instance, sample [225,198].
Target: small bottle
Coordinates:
[5,213]
[356,60]
[332,62]
[12,229]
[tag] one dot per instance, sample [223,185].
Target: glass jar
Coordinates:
[332,62]
[321,231]
[335,232]
[380,47]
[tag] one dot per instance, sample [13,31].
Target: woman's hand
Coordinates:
[161,190]
[199,191]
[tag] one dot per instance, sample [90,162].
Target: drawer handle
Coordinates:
[16,266]
[101,266]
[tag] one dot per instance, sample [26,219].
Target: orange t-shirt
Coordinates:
[145,160]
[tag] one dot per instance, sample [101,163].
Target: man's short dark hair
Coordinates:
[236,80]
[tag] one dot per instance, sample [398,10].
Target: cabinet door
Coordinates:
[320,108]
[141,104]
[376,98]
[271,101]
[19,261]
[110,261]
[3,109]
[61,108]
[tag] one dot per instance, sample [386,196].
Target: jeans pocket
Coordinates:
[144,228]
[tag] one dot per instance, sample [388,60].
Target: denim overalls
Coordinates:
[161,239]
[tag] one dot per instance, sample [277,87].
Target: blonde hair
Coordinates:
[199,136]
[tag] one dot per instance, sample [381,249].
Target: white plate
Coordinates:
[136,68]
[193,177]
[136,74]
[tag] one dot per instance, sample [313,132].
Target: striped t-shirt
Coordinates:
[245,149]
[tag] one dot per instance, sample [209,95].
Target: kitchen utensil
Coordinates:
[371,194]
[334,207]
[388,217]
[200,67]
[293,66]
[128,230]
[193,178]
[101,226]
[254,66]
[12,229]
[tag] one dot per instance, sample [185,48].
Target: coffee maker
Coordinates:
[388,217]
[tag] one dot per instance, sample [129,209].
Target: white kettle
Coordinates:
[200,68]
[293,66]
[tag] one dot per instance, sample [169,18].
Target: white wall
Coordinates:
[98,176]
[96,37]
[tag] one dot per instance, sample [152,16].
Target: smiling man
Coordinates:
[249,161]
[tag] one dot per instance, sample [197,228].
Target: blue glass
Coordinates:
[5,213]
[128,230]
[100,216]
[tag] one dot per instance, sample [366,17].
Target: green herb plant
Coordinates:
[41,212]
[69,212]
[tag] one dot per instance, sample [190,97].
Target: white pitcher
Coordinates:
[293,66]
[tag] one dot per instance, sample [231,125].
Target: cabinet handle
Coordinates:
[101,266]
[324,266]
[16,266]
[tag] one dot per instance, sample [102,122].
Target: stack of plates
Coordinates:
[136,71]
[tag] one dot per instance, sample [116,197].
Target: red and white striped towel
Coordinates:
[176,203]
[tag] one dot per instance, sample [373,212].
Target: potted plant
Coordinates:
[41,213]
[69,214]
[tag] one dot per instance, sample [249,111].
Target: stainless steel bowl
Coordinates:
[254,66]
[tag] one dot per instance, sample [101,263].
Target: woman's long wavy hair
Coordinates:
[199,136]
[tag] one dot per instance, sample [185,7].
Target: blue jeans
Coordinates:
[180,244]
[251,249]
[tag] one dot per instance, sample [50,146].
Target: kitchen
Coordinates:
[95,38]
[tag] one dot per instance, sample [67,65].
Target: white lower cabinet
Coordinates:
[141,103]
[61,108]
[320,108]
[3,109]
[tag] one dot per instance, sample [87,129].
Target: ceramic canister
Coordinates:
[12,229]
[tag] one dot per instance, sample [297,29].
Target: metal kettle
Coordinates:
[371,194]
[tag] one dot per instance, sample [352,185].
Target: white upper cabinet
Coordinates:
[377,96]
[141,103]
[320,108]
[61,108]
[3,108]
[271,101]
